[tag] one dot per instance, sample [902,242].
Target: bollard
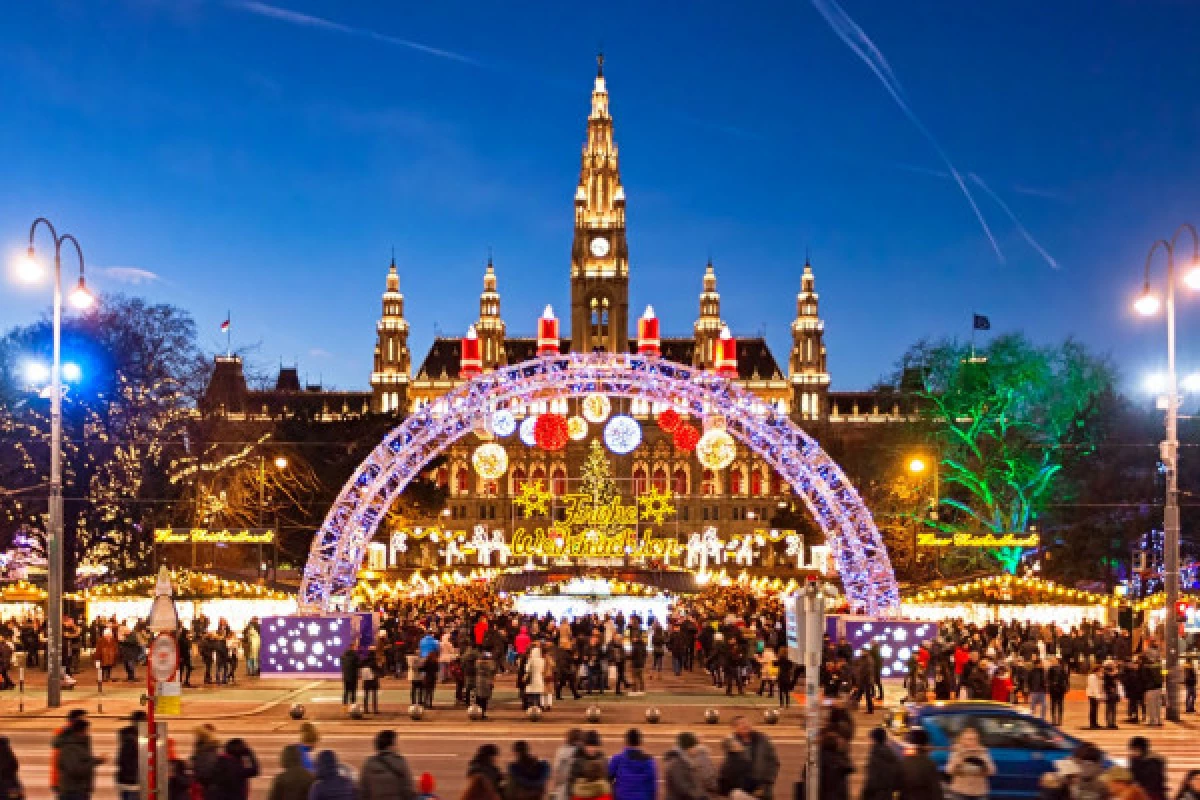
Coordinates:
[21,688]
[99,688]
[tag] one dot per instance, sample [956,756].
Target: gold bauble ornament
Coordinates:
[577,428]
[490,461]
[716,449]
[596,408]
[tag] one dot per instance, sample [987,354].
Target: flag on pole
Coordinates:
[225,325]
[981,323]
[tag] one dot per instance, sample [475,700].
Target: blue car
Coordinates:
[1023,747]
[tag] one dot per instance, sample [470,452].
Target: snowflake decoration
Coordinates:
[533,499]
[657,504]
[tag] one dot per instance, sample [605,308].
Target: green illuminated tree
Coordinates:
[1005,420]
[596,478]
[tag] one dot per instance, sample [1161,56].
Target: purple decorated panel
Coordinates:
[312,646]
[897,639]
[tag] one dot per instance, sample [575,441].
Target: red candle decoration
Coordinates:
[550,431]
[547,340]
[726,361]
[470,362]
[686,436]
[669,420]
[649,342]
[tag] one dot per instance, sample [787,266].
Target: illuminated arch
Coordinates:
[340,545]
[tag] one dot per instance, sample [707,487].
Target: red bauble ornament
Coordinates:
[550,431]
[669,420]
[685,436]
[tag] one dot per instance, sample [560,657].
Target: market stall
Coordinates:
[196,594]
[21,599]
[1004,598]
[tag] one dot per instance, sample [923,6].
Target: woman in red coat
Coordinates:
[106,653]
[1002,686]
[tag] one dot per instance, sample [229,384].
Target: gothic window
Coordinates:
[489,488]
[639,480]
[776,484]
[558,484]
[756,483]
[735,480]
[680,481]
[518,479]
[708,484]
[539,474]
[660,479]
[443,477]
[461,481]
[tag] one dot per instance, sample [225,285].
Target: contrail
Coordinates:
[1020,228]
[857,40]
[310,21]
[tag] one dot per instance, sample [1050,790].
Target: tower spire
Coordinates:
[600,64]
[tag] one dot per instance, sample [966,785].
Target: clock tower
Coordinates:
[599,255]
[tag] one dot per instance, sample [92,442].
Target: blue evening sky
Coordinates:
[264,158]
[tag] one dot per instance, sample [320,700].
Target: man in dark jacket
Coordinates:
[764,761]
[330,783]
[1149,770]
[919,776]
[632,772]
[882,768]
[683,780]
[127,776]
[76,764]
[385,775]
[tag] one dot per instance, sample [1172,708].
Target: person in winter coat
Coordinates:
[205,753]
[764,761]
[231,776]
[882,767]
[485,680]
[309,736]
[349,677]
[632,772]
[535,676]
[735,773]
[252,646]
[528,776]
[1190,788]
[969,766]
[522,641]
[683,781]
[834,768]
[1058,682]
[589,771]
[106,653]
[483,763]
[385,775]
[919,776]
[10,781]
[564,757]
[76,764]
[330,783]
[128,763]
[294,781]
[1148,768]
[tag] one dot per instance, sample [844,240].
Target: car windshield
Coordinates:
[1001,730]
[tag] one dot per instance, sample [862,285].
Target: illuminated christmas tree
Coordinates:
[596,478]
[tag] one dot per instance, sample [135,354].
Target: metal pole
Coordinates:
[54,541]
[814,623]
[99,688]
[1171,511]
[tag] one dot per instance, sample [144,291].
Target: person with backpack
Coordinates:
[1058,682]
[589,771]
[232,773]
[330,783]
[632,771]
[294,781]
[527,776]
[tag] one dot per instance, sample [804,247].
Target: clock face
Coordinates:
[599,247]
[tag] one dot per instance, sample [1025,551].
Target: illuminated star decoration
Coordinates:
[657,504]
[533,499]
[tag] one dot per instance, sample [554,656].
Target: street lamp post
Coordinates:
[81,298]
[281,463]
[1148,305]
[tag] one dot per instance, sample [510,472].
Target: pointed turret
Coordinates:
[470,362]
[389,379]
[708,325]
[649,340]
[809,374]
[490,326]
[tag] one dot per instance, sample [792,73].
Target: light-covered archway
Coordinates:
[340,545]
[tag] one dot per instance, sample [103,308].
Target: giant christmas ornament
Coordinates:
[685,436]
[669,420]
[596,408]
[490,461]
[577,428]
[622,434]
[550,432]
[504,423]
[527,431]
[716,449]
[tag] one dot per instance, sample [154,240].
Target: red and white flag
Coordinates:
[225,326]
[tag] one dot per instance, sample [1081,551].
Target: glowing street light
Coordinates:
[36,373]
[1148,305]
[81,297]
[28,269]
[916,465]
[281,462]
[72,373]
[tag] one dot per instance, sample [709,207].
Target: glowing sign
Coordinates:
[206,536]
[560,543]
[974,540]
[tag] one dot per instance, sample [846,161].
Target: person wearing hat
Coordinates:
[426,787]
[1120,784]
[127,774]
[919,776]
